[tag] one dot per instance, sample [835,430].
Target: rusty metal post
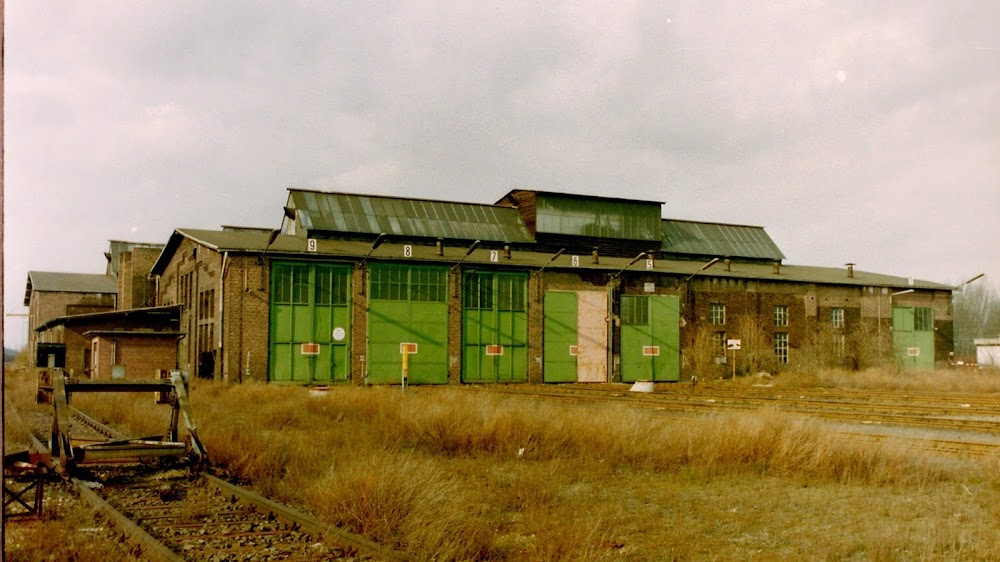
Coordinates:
[406,367]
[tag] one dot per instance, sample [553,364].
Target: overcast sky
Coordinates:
[864,132]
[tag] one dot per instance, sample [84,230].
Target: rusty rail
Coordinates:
[149,547]
[305,522]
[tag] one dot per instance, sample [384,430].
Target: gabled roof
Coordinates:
[709,239]
[371,215]
[57,282]
[229,240]
[116,247]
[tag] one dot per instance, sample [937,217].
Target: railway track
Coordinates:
[958,425]
[169,512]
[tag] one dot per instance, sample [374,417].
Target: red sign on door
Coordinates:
[574,350]
[310,349]
[651,350]
[408,347]
[494,349]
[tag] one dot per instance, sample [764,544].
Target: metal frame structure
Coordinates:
[172,392]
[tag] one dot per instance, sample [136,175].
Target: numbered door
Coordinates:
[494,327]
[575,336]
[913,336]
[310,323]
[407,311]
[650,338]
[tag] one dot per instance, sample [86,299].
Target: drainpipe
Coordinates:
[221,319]
[243,298]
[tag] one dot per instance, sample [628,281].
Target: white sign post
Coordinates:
[734,346]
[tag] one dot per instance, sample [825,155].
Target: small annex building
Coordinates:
[53,297]
[50,295]
[536,287]
[134,343]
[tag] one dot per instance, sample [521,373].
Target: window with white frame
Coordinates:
[780,315]
[837,317]
[716,313]
[781,347]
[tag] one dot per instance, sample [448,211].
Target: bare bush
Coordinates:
[702,355]
[755,352]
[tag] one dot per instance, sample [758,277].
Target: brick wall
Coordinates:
[44,306]
[234,303]
[135,289]
[244,318]
[535,327]
[191,277]
[141,356]
[455,326]
[359,326]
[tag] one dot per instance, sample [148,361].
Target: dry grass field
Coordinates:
[455,474]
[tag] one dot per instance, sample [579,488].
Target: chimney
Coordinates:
[728,263]
[597,258]
[440,246]
[777,267]
[506,252]
[850,270]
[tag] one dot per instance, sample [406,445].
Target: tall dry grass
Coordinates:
[972,381]
[459,475]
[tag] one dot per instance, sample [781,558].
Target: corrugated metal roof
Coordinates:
[58,282]
[412,218]
[716,239]
[294,247]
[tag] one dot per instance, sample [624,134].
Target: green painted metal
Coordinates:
[605,218]
[396,216]
[310,305]
[560,334]
[494,327]
[913,336]
[650,338]
[407,304]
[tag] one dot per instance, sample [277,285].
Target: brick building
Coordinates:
[53,298]
[220,282]
[539,287]
[138,341]
[129,263]
[50,295]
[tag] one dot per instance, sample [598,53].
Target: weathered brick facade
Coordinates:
[359,326]
[225,310]
[141,356]
[44,306]
[244,319]
[135,288]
